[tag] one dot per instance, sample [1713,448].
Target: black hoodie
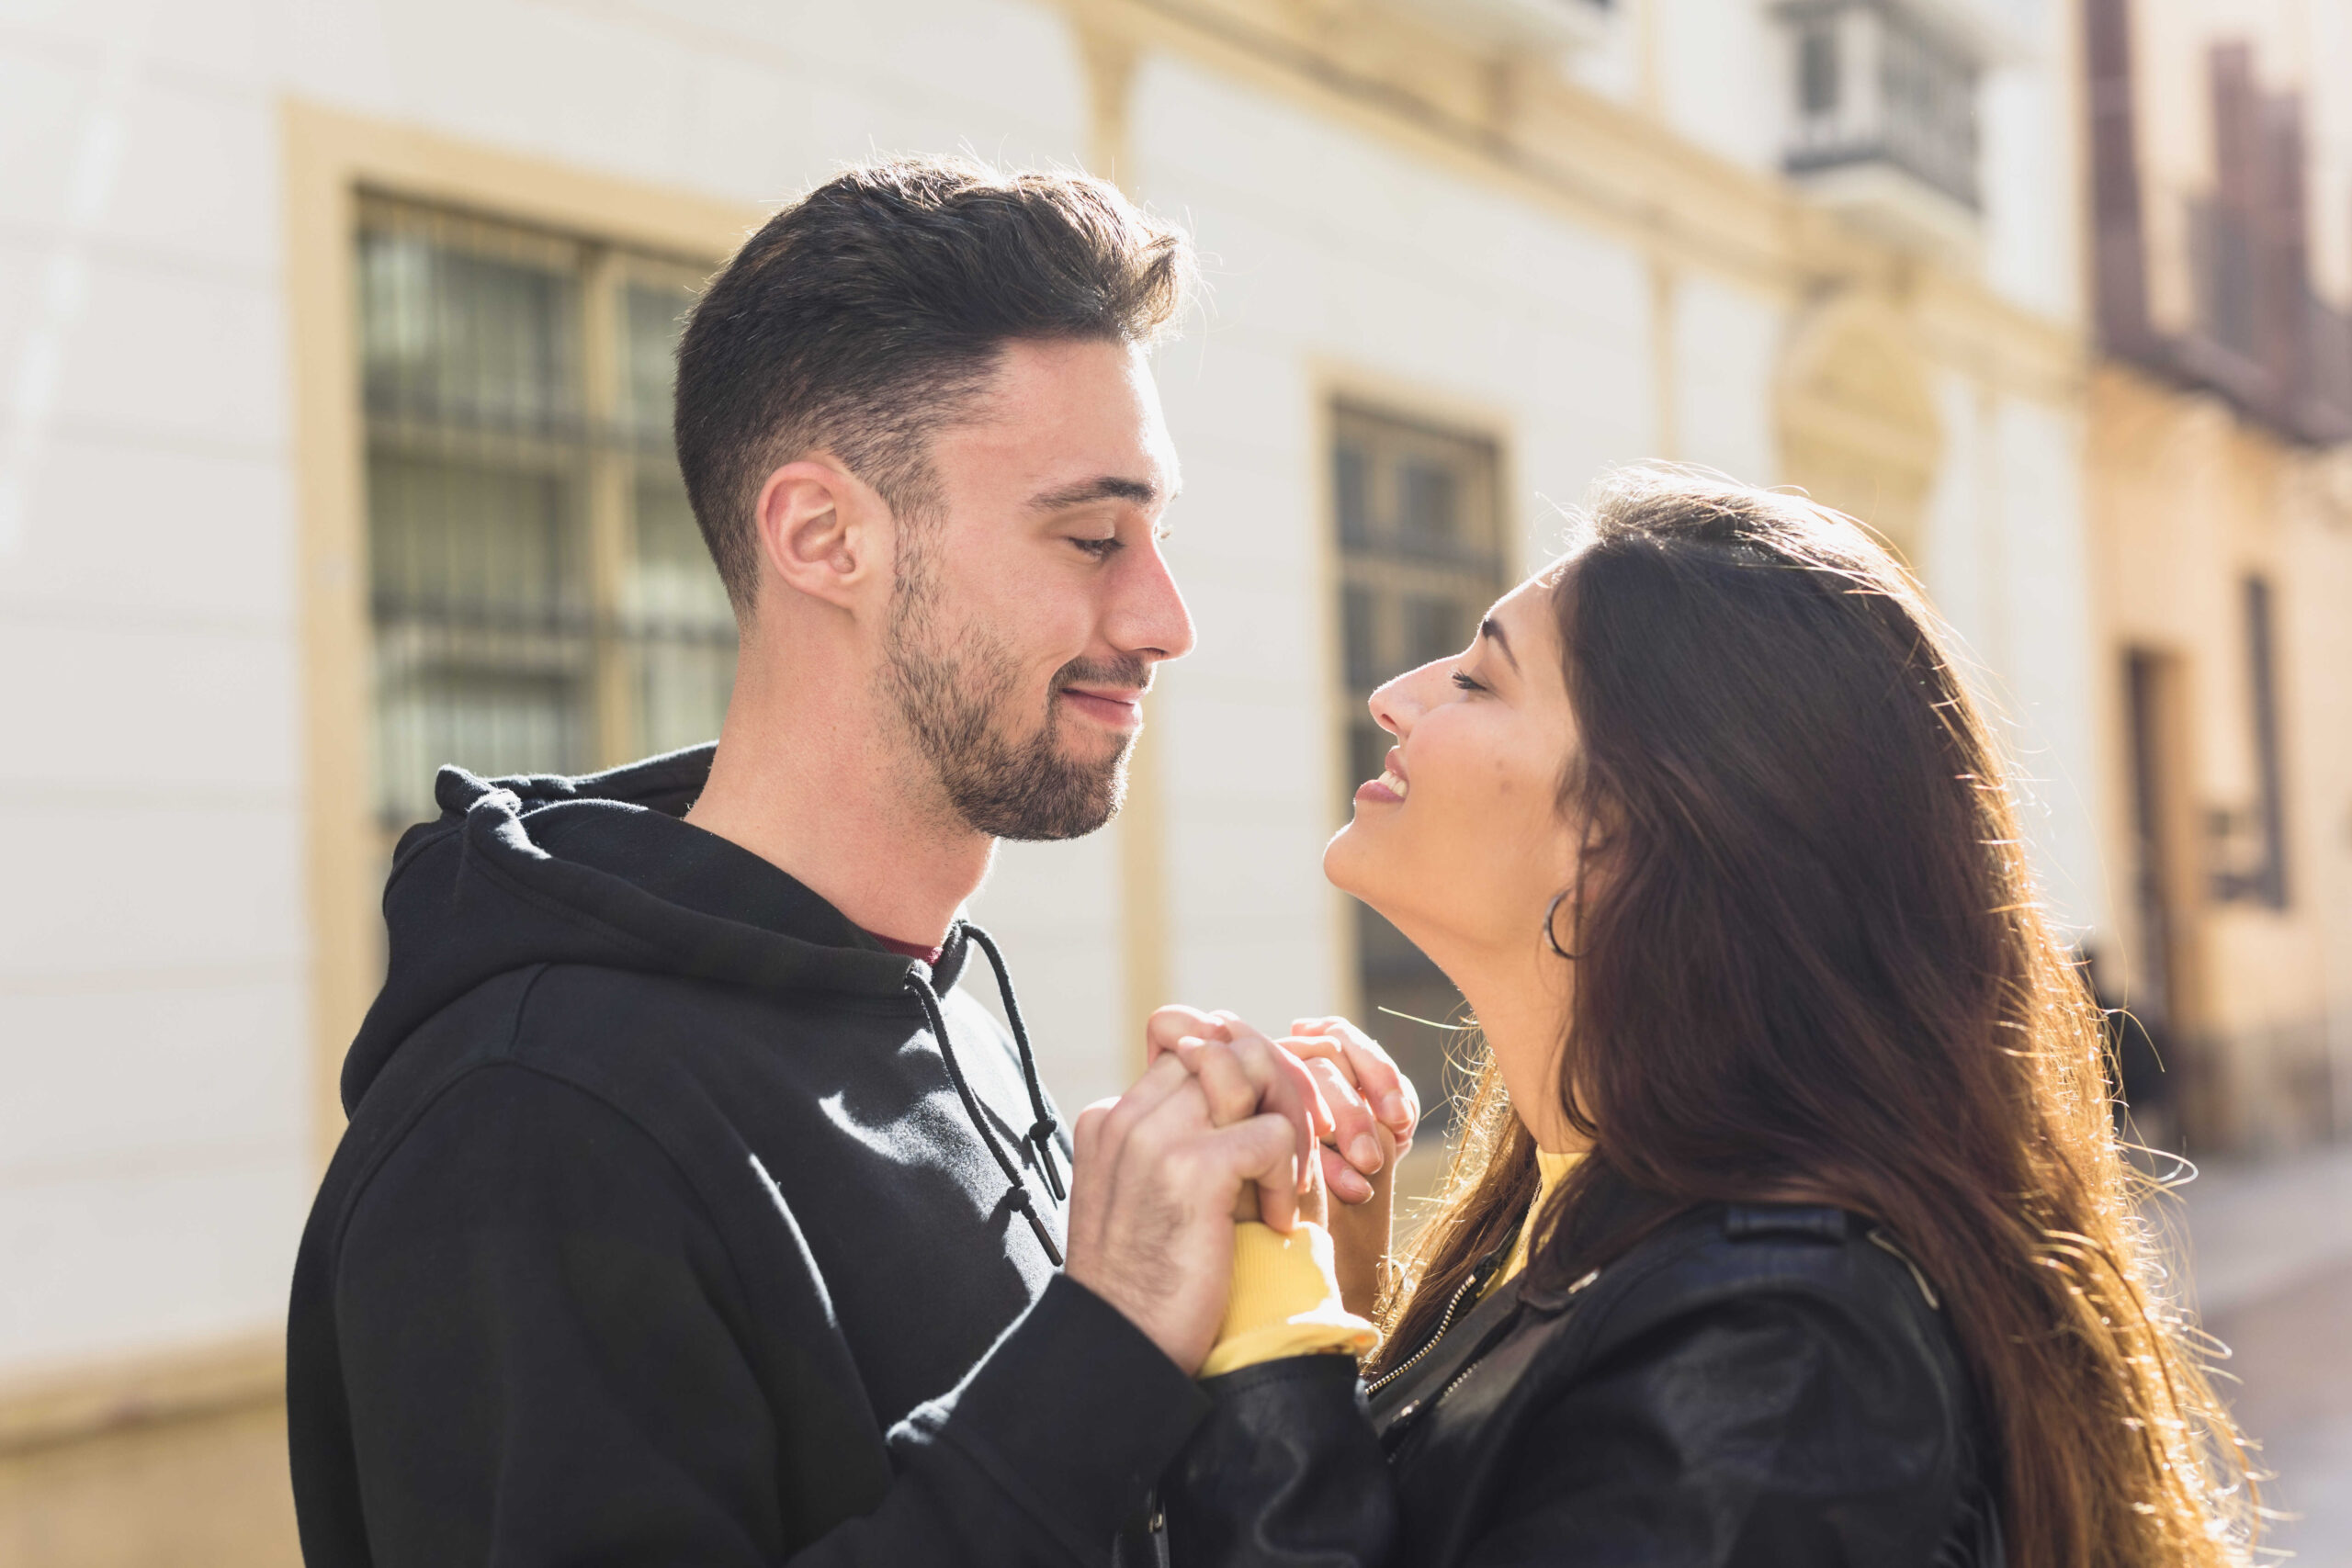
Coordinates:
[665,1231]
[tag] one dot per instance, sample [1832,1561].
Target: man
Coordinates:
[687,1212]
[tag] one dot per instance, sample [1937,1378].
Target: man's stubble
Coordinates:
[1003,770]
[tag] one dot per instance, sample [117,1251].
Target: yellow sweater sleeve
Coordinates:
[1286,1302]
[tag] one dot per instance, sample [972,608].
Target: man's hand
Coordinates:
[1152,1193]
[1244,1073]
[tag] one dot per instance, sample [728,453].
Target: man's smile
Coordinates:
[1119,707]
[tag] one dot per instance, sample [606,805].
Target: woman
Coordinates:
[1789,1225]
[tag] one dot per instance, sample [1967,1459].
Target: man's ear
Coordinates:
[823,530]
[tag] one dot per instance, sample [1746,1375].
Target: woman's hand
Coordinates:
[1352,1086]
[1372,1097]
[1361,1110]
[1363,1087]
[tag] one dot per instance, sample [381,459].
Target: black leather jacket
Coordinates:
[1752,1384]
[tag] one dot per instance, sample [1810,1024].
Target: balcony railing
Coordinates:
[1873,87]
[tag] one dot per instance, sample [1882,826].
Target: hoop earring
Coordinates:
[1551,911]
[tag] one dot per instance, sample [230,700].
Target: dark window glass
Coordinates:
[2270,880]
[1359,623]
[1352,483]
[1427,489]
[1818,69]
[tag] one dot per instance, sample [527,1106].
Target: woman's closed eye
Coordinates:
[1465,683]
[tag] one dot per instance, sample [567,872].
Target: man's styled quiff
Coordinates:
[873,312]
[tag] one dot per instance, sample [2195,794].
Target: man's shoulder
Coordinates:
[531,1070]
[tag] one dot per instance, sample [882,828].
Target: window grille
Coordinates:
[541,599]
[1421,558]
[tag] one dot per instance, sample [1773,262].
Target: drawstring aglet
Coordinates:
[1042,1136]
[1018,1197]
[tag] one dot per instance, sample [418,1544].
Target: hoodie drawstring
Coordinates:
[1041,1135]
[1018,1194]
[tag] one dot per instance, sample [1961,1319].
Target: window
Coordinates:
[1421,560]
[2254,841]
[541,599]
[2247,843]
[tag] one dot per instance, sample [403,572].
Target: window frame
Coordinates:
[330,157]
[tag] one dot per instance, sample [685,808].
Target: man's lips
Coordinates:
[1121,709]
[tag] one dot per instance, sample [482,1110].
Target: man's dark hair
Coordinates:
[873,312]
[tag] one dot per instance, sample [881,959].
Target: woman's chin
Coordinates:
[1345,857]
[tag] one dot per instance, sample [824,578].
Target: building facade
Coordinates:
[2220,503]
[335,338]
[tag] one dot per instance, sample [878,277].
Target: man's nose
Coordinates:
[1150,617]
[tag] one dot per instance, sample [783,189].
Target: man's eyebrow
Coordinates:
[1493,629]
[1105,487]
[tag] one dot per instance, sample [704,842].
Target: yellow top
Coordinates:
[1286,1302]
[1549,1169]
[1285,1299]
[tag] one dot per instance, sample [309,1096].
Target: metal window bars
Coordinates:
[540,595]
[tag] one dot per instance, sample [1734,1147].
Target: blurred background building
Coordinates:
[2220,185]
[334,402]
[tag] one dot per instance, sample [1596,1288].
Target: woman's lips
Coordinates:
[1390,785]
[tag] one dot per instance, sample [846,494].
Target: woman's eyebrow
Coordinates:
[1492,630]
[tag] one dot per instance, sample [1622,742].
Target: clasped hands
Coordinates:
[1227,1123]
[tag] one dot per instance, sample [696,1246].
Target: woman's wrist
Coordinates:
[1285,1301]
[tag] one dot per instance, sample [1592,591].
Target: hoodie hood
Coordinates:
[601,870]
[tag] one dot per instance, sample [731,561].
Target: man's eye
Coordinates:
[1101,550]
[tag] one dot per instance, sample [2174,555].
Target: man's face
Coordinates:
[1032,605]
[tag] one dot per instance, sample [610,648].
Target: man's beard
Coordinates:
[958,698]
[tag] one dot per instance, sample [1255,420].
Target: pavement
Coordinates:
[2267,1251]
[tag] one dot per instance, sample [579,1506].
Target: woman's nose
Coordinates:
[1396,704]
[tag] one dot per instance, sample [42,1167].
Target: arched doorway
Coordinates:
[1858,423]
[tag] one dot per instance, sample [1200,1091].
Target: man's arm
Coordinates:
[543,1348]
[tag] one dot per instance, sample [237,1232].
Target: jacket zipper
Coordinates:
[1477,1277]
[1462,1376]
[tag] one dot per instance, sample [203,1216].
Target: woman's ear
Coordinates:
[822,531]
[1593,833]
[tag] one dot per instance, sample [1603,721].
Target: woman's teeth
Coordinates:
[1392,783]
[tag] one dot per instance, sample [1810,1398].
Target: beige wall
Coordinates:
[2186,501]
[157,1463]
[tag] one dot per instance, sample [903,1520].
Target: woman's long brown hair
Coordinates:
[1809,956]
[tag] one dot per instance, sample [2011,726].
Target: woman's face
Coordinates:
[1460,843]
